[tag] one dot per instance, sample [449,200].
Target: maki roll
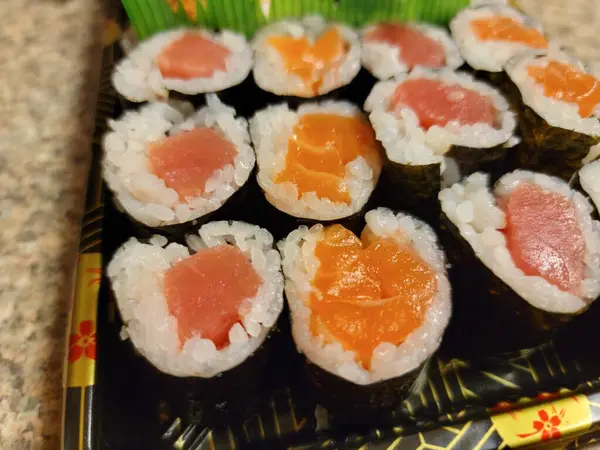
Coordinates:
[489,35]
[558,113]
[589,178]
[434,125]
[305,58]
[168,165]
[391,49]
[525,258]
[188,61]
[367,312]
[201,315]
[320,163]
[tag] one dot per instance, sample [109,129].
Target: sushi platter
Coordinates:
[338,227]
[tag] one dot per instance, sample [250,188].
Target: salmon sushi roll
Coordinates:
[201,313]
[559,110]
[489,35]
[525,256]
[169,165]
[437,126]
[320,162]
[367,312]
[390,49]
[189,61]
[305,58]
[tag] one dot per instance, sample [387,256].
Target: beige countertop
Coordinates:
[50,56]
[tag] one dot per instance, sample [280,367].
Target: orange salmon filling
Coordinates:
[204,292]
[320,147]
[564,82]
[501,28]
[370,290]
[187,160]
[311,62]
[192,56]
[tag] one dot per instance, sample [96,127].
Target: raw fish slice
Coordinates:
[204,292]
[416,48]
[319,149]
[368,292]
[186,161]
[436,103]
[544,236]
[564,82]
[192,56]
[502,28]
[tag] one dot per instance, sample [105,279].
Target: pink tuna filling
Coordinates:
[544,237]
[416,48]
[436,103]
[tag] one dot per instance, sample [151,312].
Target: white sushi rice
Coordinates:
[388,360]
[137,271]
[271,74]
[385,61]
[557,113]
[271,129]
[138,78]
[404,140]
[472,208]
[589,177]
[489,55]
[144,195]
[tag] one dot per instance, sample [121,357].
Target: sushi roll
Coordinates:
[367,312]
[589,178]
[201,314]
[318,163]
[390,49]
[169,165]
[558,113]
[489,35]
[188,61]
[305,58]
[525,258]
[437,126]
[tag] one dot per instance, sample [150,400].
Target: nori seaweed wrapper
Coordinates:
[356,92]
[361,406]
[414,188]
[552,150]
[487,308]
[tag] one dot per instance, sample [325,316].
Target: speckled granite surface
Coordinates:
[49,53]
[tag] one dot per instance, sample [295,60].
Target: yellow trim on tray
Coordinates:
[545,422]
[81,352]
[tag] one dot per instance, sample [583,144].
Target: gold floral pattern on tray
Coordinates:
[81,357]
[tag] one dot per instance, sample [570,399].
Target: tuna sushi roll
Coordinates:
[167,164]
[201,314]
[391,49]
[559,112]
[367,312]
[306,57]
[489,35]
[434,125]
[589,178]
[320,163]
[525,258]
[188,61]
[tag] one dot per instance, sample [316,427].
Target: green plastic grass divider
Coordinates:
[246,16]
